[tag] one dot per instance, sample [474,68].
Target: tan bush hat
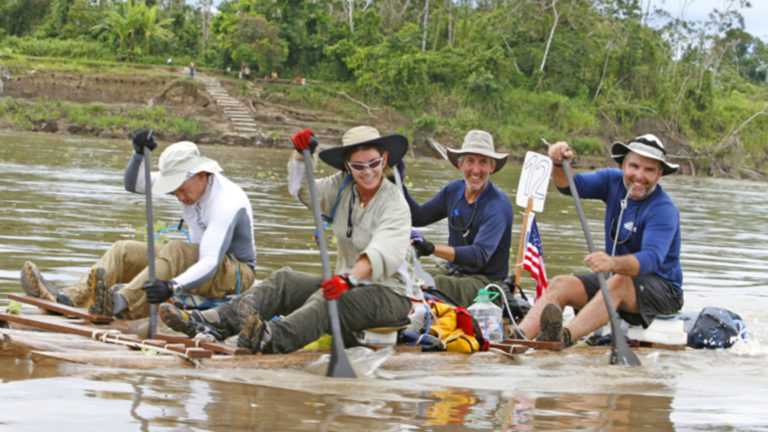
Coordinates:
[647,145]
[396,145]
[179,162]
[478,142]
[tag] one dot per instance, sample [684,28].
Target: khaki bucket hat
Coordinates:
[478,142]
[179,162]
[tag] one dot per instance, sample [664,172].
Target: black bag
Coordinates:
[715,328]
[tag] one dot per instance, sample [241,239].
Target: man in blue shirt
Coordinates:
[642,243]
[479,222]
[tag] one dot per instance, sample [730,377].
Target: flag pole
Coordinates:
[521,248]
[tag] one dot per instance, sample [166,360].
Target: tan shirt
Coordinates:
[381,230]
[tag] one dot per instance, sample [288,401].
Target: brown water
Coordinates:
[62,204]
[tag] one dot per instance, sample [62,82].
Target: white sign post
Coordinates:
[531,192]
[534,180]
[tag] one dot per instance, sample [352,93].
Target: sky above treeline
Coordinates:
[755,17]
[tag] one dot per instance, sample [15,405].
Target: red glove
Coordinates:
[305,140]
[334,286]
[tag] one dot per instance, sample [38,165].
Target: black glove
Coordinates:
[422,246]
[144,138]
[158,291]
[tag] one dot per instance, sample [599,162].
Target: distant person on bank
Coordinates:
[642,246]
[479,217]
[221,253]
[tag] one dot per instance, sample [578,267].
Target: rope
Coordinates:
[203,337]
[104,336]
[162,231]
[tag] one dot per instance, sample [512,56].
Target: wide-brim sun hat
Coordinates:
[481,143]
[178,163]
[647,145]
[395,145]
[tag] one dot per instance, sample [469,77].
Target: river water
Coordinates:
[62,204]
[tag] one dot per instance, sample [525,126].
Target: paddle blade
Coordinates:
[339,366]
[622,355]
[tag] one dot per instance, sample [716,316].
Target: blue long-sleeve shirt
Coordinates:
[480,233]
[649,228]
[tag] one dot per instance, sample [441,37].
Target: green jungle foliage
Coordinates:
[584,70]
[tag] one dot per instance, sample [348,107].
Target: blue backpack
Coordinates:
[716,328]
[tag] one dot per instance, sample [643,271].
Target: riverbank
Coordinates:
[113,102]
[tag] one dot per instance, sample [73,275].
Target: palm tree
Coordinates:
[154,28]
[131,26]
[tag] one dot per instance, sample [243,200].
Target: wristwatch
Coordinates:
[351,280]
[177,289]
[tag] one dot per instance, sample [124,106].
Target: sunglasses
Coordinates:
[614,234]
[361,166]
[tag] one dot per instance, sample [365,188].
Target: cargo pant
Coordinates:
[462,288]
[125,262]
[298,298]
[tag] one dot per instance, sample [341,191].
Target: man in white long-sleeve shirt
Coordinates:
[217,262]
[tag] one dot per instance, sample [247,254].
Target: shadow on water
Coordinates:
[63,204]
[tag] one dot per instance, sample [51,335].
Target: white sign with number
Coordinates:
[534,180]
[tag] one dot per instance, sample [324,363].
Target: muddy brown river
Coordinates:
[62,204]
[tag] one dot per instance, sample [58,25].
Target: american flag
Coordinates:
[533,260]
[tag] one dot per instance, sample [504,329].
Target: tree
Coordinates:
[131,26]
[21,17]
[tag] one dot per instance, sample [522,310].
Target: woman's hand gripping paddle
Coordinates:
[150,238]
[339,366]
[621,354]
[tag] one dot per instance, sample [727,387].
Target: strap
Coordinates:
[237,271]
[329,218]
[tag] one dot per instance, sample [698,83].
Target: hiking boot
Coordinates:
[551,322]
[101,296]
[253,331]
[35,285]
[188,322]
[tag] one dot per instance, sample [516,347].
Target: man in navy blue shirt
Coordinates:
[479,222]
[642,243]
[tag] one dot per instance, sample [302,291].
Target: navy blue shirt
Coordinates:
[480,233]
[649,228]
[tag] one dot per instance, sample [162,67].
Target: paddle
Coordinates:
[418,270]
[150,237]
[339,366]
[621,354]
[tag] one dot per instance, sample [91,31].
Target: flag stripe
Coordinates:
[533,259]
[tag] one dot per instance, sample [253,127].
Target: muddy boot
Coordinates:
[101,297]
[254,333]
[551,323]
[188,322]
[35,285]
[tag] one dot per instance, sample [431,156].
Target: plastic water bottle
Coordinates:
[488,315]
[417,317]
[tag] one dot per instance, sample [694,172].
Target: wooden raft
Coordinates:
[181,345]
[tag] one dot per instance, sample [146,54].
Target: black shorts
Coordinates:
[655,296]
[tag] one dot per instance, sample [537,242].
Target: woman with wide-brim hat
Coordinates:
[372,285]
